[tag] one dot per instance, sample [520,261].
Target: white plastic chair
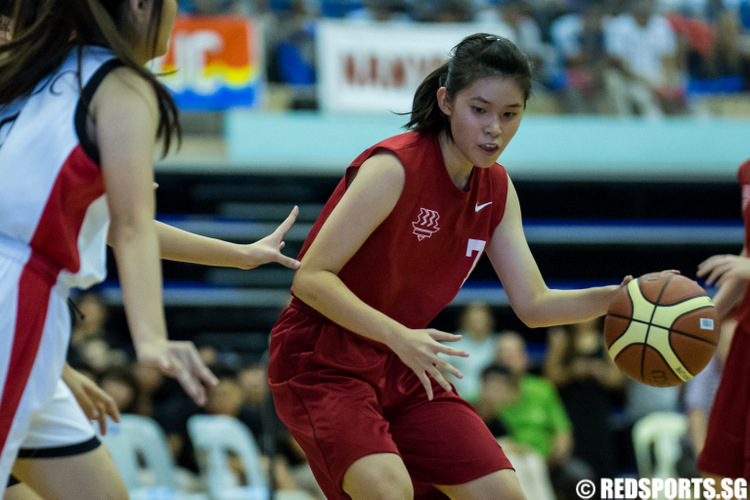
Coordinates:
[213,438]
[658,435]
[139,441]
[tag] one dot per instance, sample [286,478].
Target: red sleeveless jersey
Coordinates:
[743,176]
[415,262]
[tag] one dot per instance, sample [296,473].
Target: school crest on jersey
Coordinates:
[426,224]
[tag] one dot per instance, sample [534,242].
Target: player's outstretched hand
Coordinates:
[269,248]
[180,359]
[94,402]
[719,268]
[419,350]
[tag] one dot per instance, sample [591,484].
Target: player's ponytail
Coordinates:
[426,115]
[477,56]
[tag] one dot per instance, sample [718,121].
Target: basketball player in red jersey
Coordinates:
[726,452]
[79,118]
[355,374]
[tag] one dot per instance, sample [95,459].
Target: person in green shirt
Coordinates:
[535,418]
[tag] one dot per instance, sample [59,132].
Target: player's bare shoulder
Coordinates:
[384,168]
[123,97]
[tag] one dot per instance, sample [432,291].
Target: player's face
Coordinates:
[142,29]
[484,118]
[168,16]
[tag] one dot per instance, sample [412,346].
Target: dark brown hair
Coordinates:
[44,31]
[477,56]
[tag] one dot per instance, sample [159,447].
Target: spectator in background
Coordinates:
[641,47]
[290,42]
[273,436]
[227,398]
[535,417]
[477,328]
[91,347]
[578,39]
[525,31]
[120,383]
[578,364]
[382,11]
[498,388]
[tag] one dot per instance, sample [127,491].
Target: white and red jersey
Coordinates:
[52,195]
[416,260]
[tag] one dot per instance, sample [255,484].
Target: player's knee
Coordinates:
[383,490]
[379,482]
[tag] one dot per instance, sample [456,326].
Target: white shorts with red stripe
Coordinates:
[34,335]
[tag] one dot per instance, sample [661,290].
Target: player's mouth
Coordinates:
[489,149]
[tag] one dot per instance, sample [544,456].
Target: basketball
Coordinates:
[661,329]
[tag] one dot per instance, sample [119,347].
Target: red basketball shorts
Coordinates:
[727,449]
[343,397]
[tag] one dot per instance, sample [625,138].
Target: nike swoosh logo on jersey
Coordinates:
[477,208]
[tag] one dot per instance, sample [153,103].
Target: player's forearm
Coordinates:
[561,307]
[326,293]
[136,250]
[728,296]
[183,246]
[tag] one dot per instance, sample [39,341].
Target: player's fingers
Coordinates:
[176,367]
[110,408]
[440,378]
[88,406]
[207,376]
[288,262]
[192,387]
[426,384]
[452,351]
[102,422]
[716,273]
[713,262]
[195,366]
[446,367]
[444,336]
[288,222]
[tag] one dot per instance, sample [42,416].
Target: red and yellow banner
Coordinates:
[214,63]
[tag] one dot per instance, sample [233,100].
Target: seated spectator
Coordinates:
[120,383]
[382,11]
[517,16]
[91,345]
[228,398]
[641,78]
[587,379]
[535,417]
[578,38]
[498,388]
[476,325]
[260,413]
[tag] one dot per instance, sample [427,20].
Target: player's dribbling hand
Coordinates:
[419,350]
[268,249]
[719,268]
[180,359]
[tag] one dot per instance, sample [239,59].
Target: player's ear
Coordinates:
[444,101]
[140,9]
